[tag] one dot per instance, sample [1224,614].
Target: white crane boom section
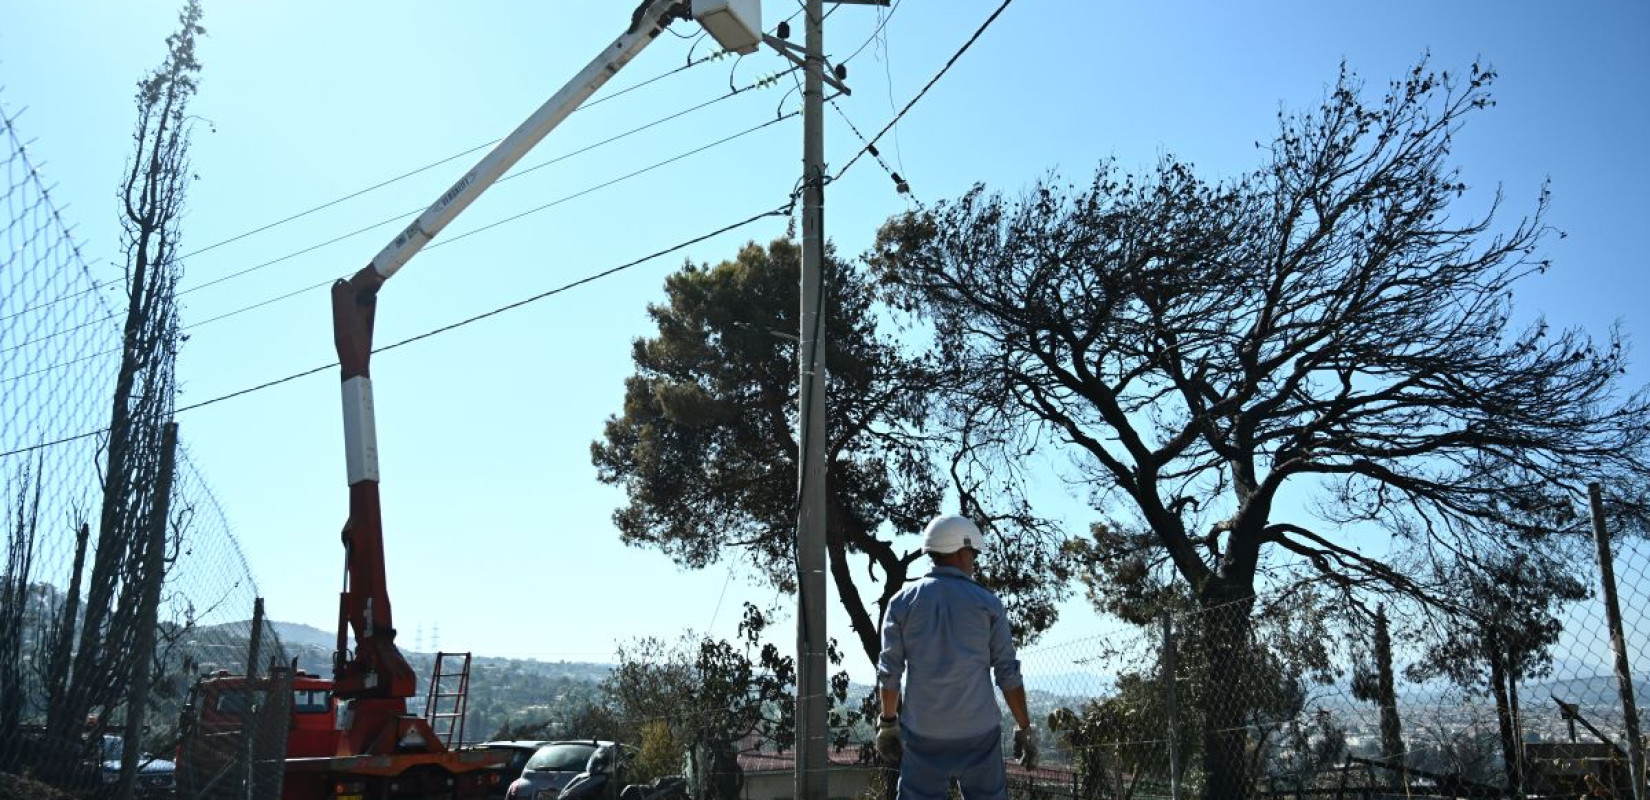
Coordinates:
[650,20]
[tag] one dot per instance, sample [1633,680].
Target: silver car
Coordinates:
[556,764]
[156,777]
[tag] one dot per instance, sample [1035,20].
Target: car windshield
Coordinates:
[569,757]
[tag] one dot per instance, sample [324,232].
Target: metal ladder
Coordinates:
[445,704]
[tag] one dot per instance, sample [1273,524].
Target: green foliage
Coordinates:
[706,445]
[712,699]
[659,755]
[1122,575]
[1118,741]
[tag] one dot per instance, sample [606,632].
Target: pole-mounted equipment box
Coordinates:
[736,24]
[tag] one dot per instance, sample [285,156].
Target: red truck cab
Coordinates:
[221,703]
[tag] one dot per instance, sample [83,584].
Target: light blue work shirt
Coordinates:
[951,635]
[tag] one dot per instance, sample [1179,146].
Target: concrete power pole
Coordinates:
[812,704]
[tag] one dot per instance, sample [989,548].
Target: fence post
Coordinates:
[154,574]
[256,644]
[1618,642]
[249,717]
[1171,700]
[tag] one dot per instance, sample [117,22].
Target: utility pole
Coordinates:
[811,701]
[812,704]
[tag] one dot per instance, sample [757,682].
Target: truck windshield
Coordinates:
[310,701]
[236,702]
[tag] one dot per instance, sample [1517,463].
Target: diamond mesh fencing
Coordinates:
[1512,691]
[102,634]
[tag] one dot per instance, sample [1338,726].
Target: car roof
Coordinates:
[525,744]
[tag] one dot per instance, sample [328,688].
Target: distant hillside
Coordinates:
[297,634]
[1598,690]
[313,648]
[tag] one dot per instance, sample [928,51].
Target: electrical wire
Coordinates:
[761,83]
[887,60]
[936,79]
[717,611]
[882,23]
[450,240]
[403,215]
[778,212]
[490,226]
[900,184]
[783,210]
[381,184]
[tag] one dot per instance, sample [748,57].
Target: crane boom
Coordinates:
[375,672]
[652,18]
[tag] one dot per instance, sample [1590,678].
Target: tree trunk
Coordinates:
[14,605]
[1392,733]
[1226,636]
[154,574]
[1516,724]
[65,717]
[1503,715]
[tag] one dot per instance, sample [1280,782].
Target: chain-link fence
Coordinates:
[102,636]
[1513,691]
[1507,690]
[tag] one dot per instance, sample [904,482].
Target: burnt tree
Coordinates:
[1329,322]
[93,681]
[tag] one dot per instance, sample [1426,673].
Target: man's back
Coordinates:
[946,633]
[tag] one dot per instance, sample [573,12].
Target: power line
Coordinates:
[869,145]
[761,83]
[507,220]
[381,184]
[900,185]
[398,217]
[691,63]
[330,203]
[775,212]
[328,282]
[648,168]
[882,23]
[936,79]
[783,210]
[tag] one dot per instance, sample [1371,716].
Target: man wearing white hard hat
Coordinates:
[948,637]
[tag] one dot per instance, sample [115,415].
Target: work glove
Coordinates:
[1025,747]
[889,748]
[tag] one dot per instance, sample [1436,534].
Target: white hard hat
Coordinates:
[949,533]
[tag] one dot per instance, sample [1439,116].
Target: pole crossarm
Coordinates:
[789,51]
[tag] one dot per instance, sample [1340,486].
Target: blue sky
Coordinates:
[498,534]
